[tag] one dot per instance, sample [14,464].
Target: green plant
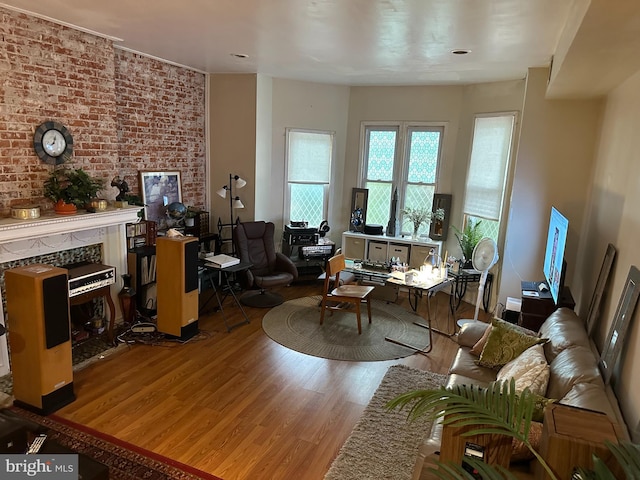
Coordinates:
[417,216]
[72,186]
[192,212]
[497,409]
[468,238]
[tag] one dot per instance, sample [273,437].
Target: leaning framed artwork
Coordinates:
[624,313]
[601,285]
[159,189]
[359,197]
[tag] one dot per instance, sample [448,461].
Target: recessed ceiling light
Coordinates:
[239,55]
[460,51]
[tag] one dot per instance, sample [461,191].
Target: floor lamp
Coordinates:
[234,202]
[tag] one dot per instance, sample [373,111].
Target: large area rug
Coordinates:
[383,444]
[296,325]
[125,461]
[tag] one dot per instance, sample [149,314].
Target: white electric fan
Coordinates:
[485,256]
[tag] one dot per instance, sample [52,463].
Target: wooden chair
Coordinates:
[350,294]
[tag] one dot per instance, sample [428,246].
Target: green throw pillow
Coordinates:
[505,343]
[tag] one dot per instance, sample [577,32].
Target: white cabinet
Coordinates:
[380,248]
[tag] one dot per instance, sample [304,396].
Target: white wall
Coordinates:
[232,133]
[311,106]
[614,217]
[553,167]
[264,184]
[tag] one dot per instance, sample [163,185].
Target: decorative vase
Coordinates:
[63,208]
[127,298]
[414,236]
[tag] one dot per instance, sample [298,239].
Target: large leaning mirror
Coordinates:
[624,313]
[358,212]
[601,284]
[440,212]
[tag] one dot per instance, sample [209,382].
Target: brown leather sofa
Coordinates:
[574,375]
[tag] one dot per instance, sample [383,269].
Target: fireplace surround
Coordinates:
[22,240]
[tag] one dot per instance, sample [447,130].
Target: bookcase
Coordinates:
[141,264]
[140,234]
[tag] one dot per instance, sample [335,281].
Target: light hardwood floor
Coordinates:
[238,405]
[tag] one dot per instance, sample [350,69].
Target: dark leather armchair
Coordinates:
[254,242]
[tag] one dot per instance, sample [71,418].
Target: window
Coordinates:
[487,174]
[403,156]
[309,155]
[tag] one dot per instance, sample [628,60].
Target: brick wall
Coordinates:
[161,122]
[51,72]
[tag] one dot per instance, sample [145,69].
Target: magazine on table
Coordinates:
[222,260]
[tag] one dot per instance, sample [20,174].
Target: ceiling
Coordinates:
[358,42]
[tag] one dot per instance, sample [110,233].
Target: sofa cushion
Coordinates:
[505,343]
[519,451]
[529,370]
[571,366]
[590,396]
[465,364]
[564,329]
[470,333]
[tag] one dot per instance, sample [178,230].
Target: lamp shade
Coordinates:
[240,182]
[237,203]
[222,192]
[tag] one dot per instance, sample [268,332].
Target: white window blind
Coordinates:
[490,153]
[309,156]
[308,165]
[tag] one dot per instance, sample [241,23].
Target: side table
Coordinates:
[99,292]
[461,280]
[571,436]
[227,288]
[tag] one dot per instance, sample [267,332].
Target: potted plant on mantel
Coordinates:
[71,188]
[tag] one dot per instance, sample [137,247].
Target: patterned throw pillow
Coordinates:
[505,343]
[529,370]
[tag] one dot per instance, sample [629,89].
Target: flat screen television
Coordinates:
[554,263]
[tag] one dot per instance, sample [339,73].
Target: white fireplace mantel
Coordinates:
[12,230]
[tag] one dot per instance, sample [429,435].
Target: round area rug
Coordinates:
[296,325]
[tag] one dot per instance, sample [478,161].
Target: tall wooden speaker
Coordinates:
[177,286]
[40,337]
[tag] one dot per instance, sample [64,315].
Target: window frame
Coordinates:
[400,172]
[326,185]
[506,187]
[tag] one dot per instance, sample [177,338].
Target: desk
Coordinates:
[227,288]
[99,292]
[416,291]
[461,279]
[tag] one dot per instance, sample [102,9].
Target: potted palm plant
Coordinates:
[468,238]
[499,409]
[71,188]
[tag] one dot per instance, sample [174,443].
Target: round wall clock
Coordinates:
[53,143]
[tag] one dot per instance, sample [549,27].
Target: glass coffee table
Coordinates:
[418,285]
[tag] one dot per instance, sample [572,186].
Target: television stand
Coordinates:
[536,309]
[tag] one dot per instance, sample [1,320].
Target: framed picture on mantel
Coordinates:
[159,189]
